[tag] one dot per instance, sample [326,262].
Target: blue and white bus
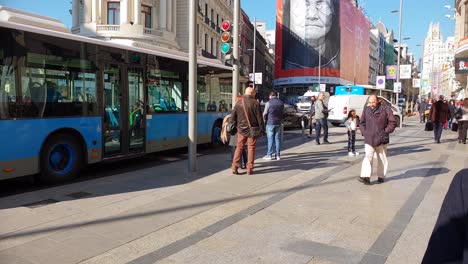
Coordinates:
[67,101]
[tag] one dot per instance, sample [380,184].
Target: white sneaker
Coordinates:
[278,157]
[267,158]
[350,154]
[356,154]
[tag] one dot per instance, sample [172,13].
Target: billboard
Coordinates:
[391,72]
[330,34]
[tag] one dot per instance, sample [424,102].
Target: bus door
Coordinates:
[124,111]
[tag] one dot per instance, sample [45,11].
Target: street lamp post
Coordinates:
[254,49]
[399,47]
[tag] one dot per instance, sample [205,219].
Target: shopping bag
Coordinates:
[429,126]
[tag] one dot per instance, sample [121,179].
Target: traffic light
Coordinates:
[226,37]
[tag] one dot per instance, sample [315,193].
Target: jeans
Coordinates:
[351,141]
[462,130]
[273,135]
[318,128]
[438,130]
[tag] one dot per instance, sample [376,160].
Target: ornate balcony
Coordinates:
[114,28]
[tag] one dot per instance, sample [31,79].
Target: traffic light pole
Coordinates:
[192,96]
[399,51]
[235,51]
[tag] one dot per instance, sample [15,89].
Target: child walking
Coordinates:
[351,124]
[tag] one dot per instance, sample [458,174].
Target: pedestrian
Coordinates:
[452,109]
[321,117]
[351,124]
[463,121]
[448,242]
[376,124]
[439,114]
[421,109]
[312,120]
[230,137]
[248,117]
[273,115]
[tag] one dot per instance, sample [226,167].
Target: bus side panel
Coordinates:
[22,141]
[169,131]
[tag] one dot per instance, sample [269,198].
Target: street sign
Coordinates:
[380,82]
[416,83]
[405,71]
[397,87]
[323,87]
[258,77]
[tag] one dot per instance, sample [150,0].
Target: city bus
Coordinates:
[67,101]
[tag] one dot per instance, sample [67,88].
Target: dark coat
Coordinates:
[377,124]
[253,111]
[273,114]
[449,239]
[439,112]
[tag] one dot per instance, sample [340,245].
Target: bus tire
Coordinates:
[216,133]
[61,159]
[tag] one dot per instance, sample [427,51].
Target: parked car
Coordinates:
[291,117]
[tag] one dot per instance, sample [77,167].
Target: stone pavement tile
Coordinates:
[411,246]
[356,237]
[325,252]
[8,258]
[243,244]
[48,251]
[174,232]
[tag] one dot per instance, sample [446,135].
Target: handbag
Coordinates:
[254,132]
[455,127]
[231,128]
[458,114]
[429,126]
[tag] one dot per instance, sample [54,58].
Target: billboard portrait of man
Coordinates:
[310,28]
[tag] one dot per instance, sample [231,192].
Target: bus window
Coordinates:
[7,90]
[164,92]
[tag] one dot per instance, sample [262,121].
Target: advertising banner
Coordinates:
[405,71]
[461,65]
[380,82]
[342,56]
[391,72]
[416,83]
[397,87]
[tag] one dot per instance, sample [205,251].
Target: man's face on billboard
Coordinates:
[311,19]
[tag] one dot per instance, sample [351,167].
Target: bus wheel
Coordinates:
[61,159]
[216,134]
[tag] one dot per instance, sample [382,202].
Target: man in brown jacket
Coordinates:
[247,104]
[439,114]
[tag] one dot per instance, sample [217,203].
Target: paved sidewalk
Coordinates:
[306,208]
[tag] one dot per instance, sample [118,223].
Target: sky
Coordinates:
[415,22]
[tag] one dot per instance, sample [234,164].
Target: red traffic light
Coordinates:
[225,37]
[226,25]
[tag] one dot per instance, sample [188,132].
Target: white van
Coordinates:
[341,105]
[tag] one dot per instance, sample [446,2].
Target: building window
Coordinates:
[211,47]
[113,13]
[198,34]
[146,16]
[206,42]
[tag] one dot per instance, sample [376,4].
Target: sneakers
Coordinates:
[267,157]
[380,180]
[356,153]
[278,157]
[350,154]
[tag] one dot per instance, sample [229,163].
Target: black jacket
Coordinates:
[449,239]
